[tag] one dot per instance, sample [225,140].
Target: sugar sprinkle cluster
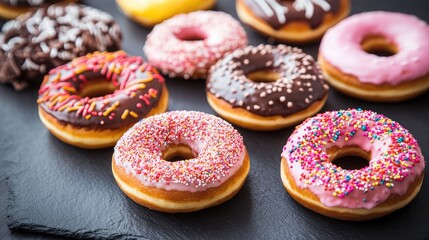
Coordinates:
[218,144]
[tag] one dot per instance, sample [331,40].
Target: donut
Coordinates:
[149,13]
[93,100]
[298,21]
[266,87]
[213,167]
[391,180]
[347,60]
[10,9]
[187,45]
[48,37]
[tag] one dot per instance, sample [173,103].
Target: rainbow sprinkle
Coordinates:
[395,154]
[138,89]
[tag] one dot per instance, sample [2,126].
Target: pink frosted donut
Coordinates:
[215,167]
[390,181]
[188,44]
[345,61]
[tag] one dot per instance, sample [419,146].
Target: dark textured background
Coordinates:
[62,190]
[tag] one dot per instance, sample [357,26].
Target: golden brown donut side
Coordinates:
[179,201]
[351,86]
[244,118]
[308,199]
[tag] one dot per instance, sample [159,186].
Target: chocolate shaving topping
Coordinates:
[300,81]
[26,3]
[38,41]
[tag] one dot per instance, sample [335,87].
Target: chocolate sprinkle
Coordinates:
[38,41]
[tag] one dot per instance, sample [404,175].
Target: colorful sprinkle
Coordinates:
[395,157]
[59,93]
[218,147]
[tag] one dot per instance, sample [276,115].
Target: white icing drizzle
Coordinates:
[269,5]
[273,7]
[29,2]
[308,6]
[279,10]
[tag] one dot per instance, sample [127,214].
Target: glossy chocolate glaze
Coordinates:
[300,84]
[139,88]
[278,13]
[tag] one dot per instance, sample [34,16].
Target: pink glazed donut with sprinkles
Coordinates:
[349,60]
[391,180]
[181,161]
[187,45]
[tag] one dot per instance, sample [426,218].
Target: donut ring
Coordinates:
[68,110]
[215,170]
[187,45]
[299,90]
[352,70]
[390,181]
[298,21]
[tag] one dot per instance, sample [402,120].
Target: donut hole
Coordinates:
[97,88]
[263,75]
[349,158]
[191,34]
[379,45]
[178,152]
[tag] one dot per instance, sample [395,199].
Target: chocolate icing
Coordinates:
[300,84]
[27,3]
[139,88]
[48,37]
[278,13]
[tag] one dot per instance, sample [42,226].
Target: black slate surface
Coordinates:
[61,190]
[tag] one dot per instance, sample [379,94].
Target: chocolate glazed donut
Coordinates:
[74,105]
[278,13]
[298,21]
[298,92]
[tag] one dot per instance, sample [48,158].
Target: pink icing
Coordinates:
[218,34]
[396,158]
[219,147]
[341,47]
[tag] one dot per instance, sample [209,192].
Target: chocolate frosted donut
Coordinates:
[292,21]
[279,13]
[298,90]
[38,41]
[91,101]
